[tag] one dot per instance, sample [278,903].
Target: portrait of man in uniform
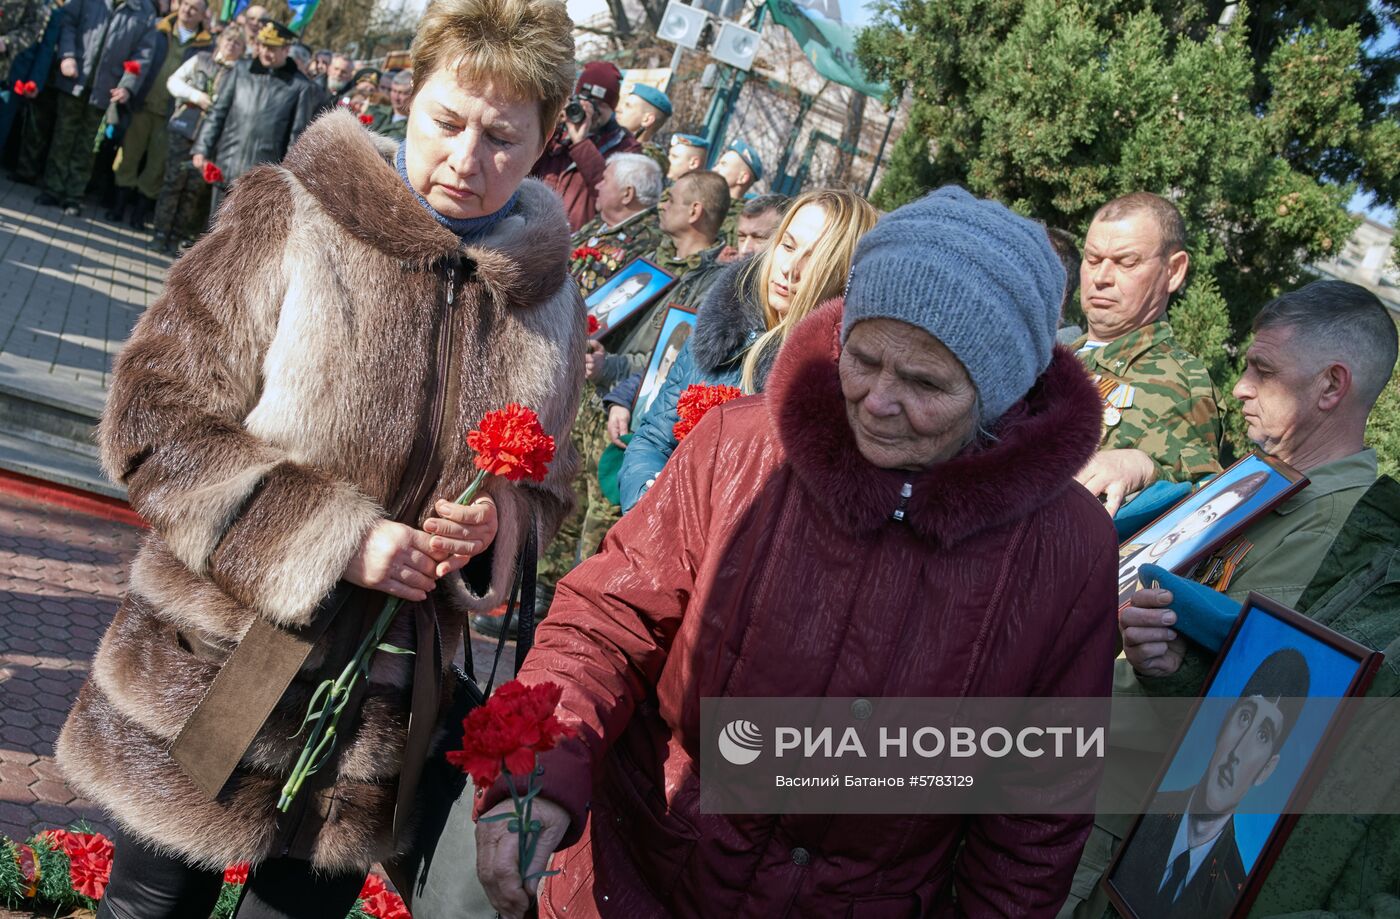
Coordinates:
[1183,859]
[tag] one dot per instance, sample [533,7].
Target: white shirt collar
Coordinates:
[1198,854]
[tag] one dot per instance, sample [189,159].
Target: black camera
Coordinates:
[574,111]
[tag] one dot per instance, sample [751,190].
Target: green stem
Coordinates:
[333,695]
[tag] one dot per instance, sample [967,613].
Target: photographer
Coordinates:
[574,160]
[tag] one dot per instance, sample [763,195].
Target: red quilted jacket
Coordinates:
[764,562]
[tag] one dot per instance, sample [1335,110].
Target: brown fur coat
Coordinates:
[261,418]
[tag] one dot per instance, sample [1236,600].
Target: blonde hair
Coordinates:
[522,47]
[848,218]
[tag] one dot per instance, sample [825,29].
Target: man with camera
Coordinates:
[588,133]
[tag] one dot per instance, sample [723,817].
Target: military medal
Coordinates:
[1111,415]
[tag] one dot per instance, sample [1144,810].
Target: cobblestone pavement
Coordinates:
[62,574]
[71,288]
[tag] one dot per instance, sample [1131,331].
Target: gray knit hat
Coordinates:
[974,275]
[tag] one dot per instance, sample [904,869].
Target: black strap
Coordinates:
[522,591]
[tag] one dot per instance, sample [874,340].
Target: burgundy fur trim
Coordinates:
[1041,443]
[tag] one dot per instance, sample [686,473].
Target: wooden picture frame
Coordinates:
[1224,880]
[676,326]
[635,285]
[1195,526]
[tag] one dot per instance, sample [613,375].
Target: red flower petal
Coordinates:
[511,443]
[132,67]
[592,325]
[367,119]
[236,874]
[696,402]
[374,884]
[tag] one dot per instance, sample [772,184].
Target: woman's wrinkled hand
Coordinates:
[459,533]
[498,855]
[397,560]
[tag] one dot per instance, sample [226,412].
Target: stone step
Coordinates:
[50,432]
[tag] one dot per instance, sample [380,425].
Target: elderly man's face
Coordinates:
[1279,392]
[190,13]
[468,148]
[400,95]
[611,193]
[909,401]
[1245,754]
[1125,278]
[339,72]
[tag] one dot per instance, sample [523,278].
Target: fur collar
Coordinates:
[1041,443]
[728,320]
[350,172]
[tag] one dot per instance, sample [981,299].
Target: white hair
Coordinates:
[639,173]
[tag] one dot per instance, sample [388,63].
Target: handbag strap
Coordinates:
[522,591]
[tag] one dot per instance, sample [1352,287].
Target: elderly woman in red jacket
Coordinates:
[896,516]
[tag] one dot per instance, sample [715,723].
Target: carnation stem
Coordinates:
[334,695]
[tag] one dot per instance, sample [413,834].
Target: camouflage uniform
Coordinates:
[582,532]
[22,23]
[638,235]
[1157,399]
[658,153]
[729,230]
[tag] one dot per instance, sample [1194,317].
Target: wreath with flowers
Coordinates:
[63,870]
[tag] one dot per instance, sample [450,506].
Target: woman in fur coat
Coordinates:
[747,314]
[289,417]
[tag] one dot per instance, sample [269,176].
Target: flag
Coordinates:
[232,8]
[826,31]
[302,11]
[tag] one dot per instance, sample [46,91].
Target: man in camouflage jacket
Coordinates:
[1161,409]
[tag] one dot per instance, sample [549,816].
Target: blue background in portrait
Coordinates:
[675,316]
[1330,672]
[1182,551]
[659,280]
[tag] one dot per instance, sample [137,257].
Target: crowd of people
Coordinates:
[171,92]
[957,410]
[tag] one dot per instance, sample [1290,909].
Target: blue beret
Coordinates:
[653,97]
[750,157]
[690,140]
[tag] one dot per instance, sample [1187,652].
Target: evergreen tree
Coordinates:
[1260,123]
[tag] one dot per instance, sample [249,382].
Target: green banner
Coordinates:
[826,31]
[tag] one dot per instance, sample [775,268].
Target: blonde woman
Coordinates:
[746,316]
[288,417]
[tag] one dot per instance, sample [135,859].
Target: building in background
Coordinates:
[1367,259]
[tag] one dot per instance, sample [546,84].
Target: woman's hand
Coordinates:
[498,855]
[460,533]
[395,559]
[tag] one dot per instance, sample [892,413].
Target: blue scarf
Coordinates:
[466,228]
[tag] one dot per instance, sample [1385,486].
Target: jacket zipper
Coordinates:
[414,496]
[906,491]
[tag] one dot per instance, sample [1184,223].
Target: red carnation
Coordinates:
[510,443]
[236,874]
[132,67]
[19,87]
[31,89]
[514,725]
[213,174]
[696,401]
[593,325]
[379,901]
[89,862]
[366,119]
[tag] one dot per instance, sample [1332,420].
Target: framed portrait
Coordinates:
[1244,765]
[634,286]
[676,327]
[1206,519]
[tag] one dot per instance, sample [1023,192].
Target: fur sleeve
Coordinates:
[272,533]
